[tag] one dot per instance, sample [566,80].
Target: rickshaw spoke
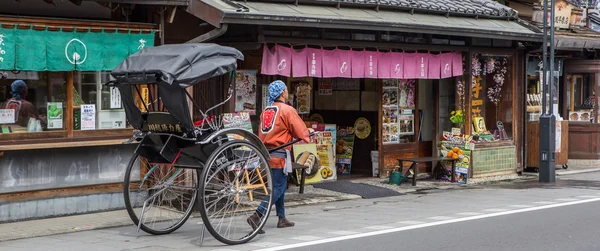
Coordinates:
[233,168]
[164,197]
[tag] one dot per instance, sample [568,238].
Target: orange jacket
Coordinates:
[280,124]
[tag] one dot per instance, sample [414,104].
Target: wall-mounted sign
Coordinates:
[562,14]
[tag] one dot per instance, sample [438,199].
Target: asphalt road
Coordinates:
[575,227]
[515,215]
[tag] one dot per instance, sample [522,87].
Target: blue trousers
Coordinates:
[279,186]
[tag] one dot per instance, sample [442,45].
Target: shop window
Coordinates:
[96,106]
[33,105]
[448,106]
[398,103]
[580,97]
[492,97]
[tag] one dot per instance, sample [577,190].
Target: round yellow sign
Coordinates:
[362,128]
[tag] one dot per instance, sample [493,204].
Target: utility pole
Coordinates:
[547,119]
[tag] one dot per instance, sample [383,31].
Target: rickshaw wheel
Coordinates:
[162,196]
[234,182]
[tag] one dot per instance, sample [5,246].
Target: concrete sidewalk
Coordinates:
[311,196]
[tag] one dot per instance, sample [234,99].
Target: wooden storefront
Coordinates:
[581,82]
[65,168]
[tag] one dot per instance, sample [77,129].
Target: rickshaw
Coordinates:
[180,165]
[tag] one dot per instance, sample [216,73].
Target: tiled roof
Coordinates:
[480,8]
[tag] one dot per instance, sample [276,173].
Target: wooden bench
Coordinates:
[437,160]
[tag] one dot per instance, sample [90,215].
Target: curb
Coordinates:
[322,200]
[565,173]
[591,170]
[114,224]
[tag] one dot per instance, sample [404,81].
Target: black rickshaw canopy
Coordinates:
[182,64]
[172,68]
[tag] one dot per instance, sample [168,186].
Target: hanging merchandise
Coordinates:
[245,91]
[362,128]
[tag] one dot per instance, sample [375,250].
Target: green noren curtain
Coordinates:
[80,50]
[8,43]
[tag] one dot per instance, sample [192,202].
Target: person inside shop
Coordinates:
[24,110]
[279,124]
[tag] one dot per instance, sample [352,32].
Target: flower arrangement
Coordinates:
[500,69]
[458,117]
[476,69]
[460,93]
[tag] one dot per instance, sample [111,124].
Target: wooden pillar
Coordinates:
[468,81]
[69,101]
[595,81]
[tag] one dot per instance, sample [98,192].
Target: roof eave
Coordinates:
[289,21]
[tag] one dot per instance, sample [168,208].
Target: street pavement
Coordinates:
[519,215]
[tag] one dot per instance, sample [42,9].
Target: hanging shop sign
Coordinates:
[81,50]
[562,14]
[245,91]
[322,63]
[362,128]
[325,87]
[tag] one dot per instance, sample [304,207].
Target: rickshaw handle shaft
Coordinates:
[288,144]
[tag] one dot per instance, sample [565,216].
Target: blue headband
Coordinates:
[17,89]
[275,90]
